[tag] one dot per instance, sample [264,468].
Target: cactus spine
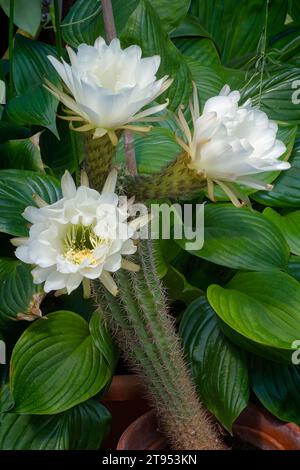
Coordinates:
[176,180]
[145,332]
[146,335]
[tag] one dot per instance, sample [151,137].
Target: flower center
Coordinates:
[79,244]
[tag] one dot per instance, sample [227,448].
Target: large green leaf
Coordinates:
[178,287]
[286,46]
[6,399]
[31,65]
[84,21]
[219,368]
[27,19]
[237,27]
[16,190]
[286,191]
[241,239]
[63,154]
[277,386]
[202,50]
[144,28]
[289,225]
[295,10]
[171,15]
[211,79]
[34,105]
[18,294]
[190,26]
[103,339]
[81,428]
[294,267]
[263,309]
[273,94]
[9,131]
[149,160]
[56,365]
[20,154]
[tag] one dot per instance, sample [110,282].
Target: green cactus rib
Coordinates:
[139,317]
[145,332]
[174,181]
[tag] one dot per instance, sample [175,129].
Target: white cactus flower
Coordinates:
[80,237]
[108,86]
[231,143]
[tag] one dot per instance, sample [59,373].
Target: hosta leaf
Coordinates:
[241,239]
[295,9]
[201,50]
[65,153]
[219,368]
[273,94]
[286,191]
[84,21]
[178,287]
[18,294]
[31,65]
[262,309]
[20,154]
[55,365]
[81,428]
[277,386]
[244,24]
[294,267]
[9,131]
[144,28]
[16,190]
[289,225]
[28,21]
[171,15]
[149,160]
[34,105]
[190,26]
[210,80]
[6,399]
[103,339]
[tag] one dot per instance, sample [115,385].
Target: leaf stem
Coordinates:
[58,37]
[11,45]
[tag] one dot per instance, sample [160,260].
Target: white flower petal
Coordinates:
[68,186]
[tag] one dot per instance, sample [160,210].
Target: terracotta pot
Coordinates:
[254,426]
[260,428]
[125,399]
[142,434]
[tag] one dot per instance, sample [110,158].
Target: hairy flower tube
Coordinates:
[80,237]
[107,86]
[231,143]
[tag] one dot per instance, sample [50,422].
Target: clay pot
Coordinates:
[142,434]
[255,426]
[258,427]
[126,401]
